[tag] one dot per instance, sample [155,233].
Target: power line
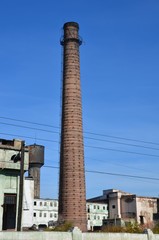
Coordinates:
[112,174]
[87,132]
[44,130]
[39,129]
[121,143]
[101,148]
[22,136]
[122,151]
[24,121]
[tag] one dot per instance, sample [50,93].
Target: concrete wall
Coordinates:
[9,183]
[28,201]
[146,207]
[75,235]
[6,162]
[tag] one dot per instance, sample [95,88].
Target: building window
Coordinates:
[103,207]
[45,203]
[55,215]
[41,203]
[34,214]
[98,207]
[98,217]
[88,217]
[55,204]
[50,215]
[50,204]
[113,206]
[141,220]
[104,218]
[94,217]
[34,203]
[40,214]
[94,206]
[44,214]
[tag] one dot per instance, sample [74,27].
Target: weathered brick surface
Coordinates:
[72,199]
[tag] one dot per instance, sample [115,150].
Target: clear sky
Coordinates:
[119,78]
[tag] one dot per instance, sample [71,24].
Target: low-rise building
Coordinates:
[10,164]
[125,207]
[96,213]
[46,211]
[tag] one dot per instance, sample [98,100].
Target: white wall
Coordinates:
[28,199]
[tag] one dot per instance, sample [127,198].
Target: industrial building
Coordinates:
[10,164]
[45,213]
[125,207]
[12,186]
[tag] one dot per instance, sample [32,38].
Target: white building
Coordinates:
[46,210]
[96,213]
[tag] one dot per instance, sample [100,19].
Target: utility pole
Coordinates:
[21,183]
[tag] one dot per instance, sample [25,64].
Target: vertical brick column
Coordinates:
[72,197]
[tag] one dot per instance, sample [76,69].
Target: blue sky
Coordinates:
[119,79]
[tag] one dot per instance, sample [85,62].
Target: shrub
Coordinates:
[155,229]
[61,227]
[129,228]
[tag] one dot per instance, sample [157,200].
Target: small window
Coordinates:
[40,214]
[55,215]
[50,204]
[95,217]
[55,204]
[45,203]
[34,214]
[94,206]
[41,203]
[103,207]
[88,217]
[50,215]
[34,203]
[98,217]
[113,206]
[44,214]
[103,217]
[98,207]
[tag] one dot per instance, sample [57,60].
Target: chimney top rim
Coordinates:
[73,24]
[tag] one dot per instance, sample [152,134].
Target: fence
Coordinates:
[76,234]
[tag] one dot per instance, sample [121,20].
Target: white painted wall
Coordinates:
[28,199]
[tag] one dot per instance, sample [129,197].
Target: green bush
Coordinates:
[133,228]
[62,227]
[156,228]
[129,228]
[112,229]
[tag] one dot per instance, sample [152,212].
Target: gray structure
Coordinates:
[36,161]
[10,165]
[72,200]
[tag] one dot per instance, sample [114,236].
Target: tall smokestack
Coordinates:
[72,196]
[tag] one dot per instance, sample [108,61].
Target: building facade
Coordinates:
[96,213]
[10,163]
[45,213]
[125,207]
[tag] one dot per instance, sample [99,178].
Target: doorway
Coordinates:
[9,211]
